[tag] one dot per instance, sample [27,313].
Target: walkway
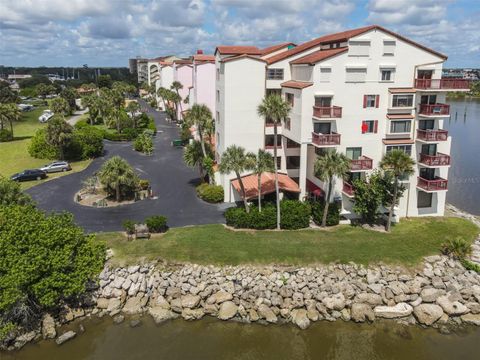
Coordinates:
[172,182]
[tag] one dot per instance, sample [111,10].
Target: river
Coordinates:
[464,174]
[213,339]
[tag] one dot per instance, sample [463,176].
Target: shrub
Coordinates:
[40,149]
[210,193]
[294,214]
[143,121]
[156,224]
[5,135]
[114,136]
[129,226]
[11,193]
[130,133]
[470,265]
[144,144]
[333,216]
[457,248]
[152,127]
[144,184]
[80,124]
[238,218]
[90,140]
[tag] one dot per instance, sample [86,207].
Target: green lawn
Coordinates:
[408,242]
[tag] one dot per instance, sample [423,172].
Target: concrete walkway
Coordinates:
[76,116]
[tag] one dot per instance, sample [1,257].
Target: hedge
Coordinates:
[210,193]
[156,224]
[294,214]
[5,135]
[40,149]
[333,216]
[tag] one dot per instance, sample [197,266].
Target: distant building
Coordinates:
[14,77]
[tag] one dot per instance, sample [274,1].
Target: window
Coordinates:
[402,101]
[424,200]
[322,128]
[428,99]
[356,75]
[288,123]
[387,74]
[407,149]
[293,162]
[369,126]
[274,74]
[389,47]
[323,101]
[370,101]
[218,117]
[270,141]
[218,95]
[353,153]
[289,98]
[292,144]
[358,48]
[321,151]
[279,162]
[325,74]
[426,124]
[218,74]
[401,126]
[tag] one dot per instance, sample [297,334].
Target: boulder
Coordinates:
[219,297]
[253,315]
[368,298]
[48,327]
[24,338]
[266,313]
[430,295]
[300,318]
[473,319]
[114,305]
[190,301]
[65,337]
[392,312]
[102,303]
[192,314]
[118,319]
[427,314]
[160,314]
[335,302]
[313,314]
[227,310]
[361,312]
[451,307]
[134,305]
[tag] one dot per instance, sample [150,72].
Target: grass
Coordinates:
[14,156]
[407,244]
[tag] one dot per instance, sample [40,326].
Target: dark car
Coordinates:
[26,175]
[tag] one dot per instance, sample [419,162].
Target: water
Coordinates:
[464,175]
[212,339]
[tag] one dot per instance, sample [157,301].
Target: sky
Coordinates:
[109,32]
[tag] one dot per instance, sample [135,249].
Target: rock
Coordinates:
[193,314]
[431,294]
[300,318]
[392,312]
[118,319]
[227,310]
[118,282]
[219,297]
[427,314]
[253,315]
[48,327]
[102,303]
[21,340]
[376,288]
[451,307]
[176,305]
[335,302]
[65,337]
[81,328]
[367,298]
[313,314]
[134,305]
[474,307]
[135,323]
[373,276]
[361,312]
[190,301]
[114,305]
[160,314]
[473,319]
[266,313]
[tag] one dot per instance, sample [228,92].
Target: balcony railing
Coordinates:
[442,84]
[432,135]
[348,189]
[271,124]
[436,184]
[362,163]
[434,109]
[327,111]
[325,139]
[435,160]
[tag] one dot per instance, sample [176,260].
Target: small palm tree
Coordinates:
[176,86]
[117,173]
[60,106]
[132,108]
[273,107]
[193,156]
[8,114]
[260,163]
[398,163]
[235,160]
[327,167]
[200,116]
[59,133]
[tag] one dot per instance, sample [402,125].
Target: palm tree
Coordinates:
[162,93]
[273,107]
[177,85]
[60,106]
[58,133]
[8,114]
[193,156]
[398,163]
[235,160]
[201,117]
[327,167]
[261,162]
[132,108]
[117,173]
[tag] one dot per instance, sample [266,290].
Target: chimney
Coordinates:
[199,52]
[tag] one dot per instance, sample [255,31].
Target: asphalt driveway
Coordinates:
[172,182]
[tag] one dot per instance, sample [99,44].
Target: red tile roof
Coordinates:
[234,50]
[250,182]
[243,56]
[296,84]
[317,56]
[182,61]
[202,57]
[273,48]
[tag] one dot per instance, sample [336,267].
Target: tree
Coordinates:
[176,86]
[69,94]
[326,168]
[368,197]
[273,107]
[193,156]
[200,116]
[104,81]
[59,134]
[46,260]
[42,90]
[235,160]
[11,193]
[398,163]
[260,163]
[60,106]
[8,114]
[7,95]
[118,176]
[132,108]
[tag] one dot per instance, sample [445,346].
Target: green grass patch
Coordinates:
[407,244]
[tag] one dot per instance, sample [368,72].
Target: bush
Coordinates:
[333,216]
[144,184]
[40,149]
[114,136]
[130,133]
[210,193]
[11,193]
[129,226]
[457,248]
[470,265]
[156,224]
[90,140]
[294,214]
[80,124]
[238,218]
[5,135]
[144,144]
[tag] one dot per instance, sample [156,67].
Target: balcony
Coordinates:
[442,84]
[437,184]
[327,111]
[432,135]
[434,109]
[325,139]
[361,164]
[348,189]
[435,160]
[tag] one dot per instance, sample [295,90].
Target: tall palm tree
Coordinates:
[176,86]
[8,114]
[273,107]
[261,162]
[235,160]
[327,167]
[117,173]
[398,163]
[193,156]
[162,93]
[201,117]
[60,106]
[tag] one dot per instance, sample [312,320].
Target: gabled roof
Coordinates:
[273,48]
[267,179]
[202,57]
[317,56]
[243,56]
[296,84]
[235,50]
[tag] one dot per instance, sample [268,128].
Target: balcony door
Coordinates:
[322,128]
[323,101]
[354,153]
[428,99]
[426,124]
[429,149]
[427,173]
[425,74]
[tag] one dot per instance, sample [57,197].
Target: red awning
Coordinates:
[250,182]
[314,189]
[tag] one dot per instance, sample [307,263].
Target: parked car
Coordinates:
[47,114]
[56,166]
[25,175]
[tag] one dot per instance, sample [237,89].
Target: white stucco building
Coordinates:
[364,92]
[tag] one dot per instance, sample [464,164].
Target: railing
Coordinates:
[432,135]
[434,109]
[362,163]
[348,188]
[325,139]
[432,185]
[442,84]
[327,111]
[271,124]
[435,160]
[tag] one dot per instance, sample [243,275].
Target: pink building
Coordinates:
[183,73]
[203,90]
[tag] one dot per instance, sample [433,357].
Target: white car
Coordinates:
[56,166]
[47,114]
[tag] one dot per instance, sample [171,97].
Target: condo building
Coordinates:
[363,92]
